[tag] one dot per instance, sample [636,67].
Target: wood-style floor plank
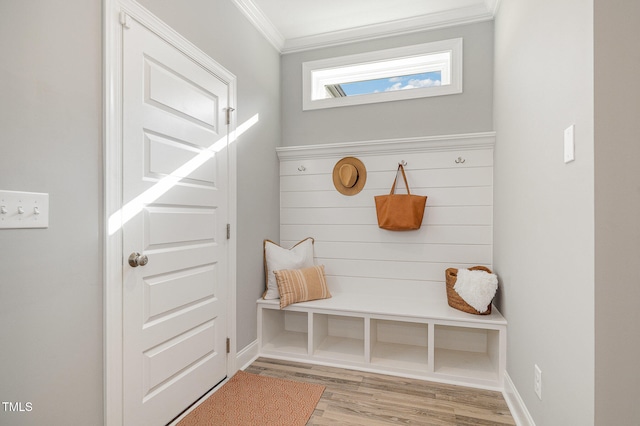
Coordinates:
[355,398]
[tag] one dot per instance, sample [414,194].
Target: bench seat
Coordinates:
[393,306]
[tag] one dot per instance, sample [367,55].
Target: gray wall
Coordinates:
[50,141]
[617,212]
[470,111]
[51,279]
[544,214]
[220,30]
[51,307]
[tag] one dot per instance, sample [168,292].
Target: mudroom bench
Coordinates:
[389,311]
[418,337]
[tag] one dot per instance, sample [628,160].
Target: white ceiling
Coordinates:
[294,25]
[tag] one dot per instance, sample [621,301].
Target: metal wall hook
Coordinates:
[402,163]
[302,169]
[460,160]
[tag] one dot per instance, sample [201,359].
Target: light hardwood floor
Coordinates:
[360,398]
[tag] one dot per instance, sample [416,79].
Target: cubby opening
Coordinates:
[338,337]
[467,352]
[285,331]
[400,345]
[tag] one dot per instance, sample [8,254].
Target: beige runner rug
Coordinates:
[249,399]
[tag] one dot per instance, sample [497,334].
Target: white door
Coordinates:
[175,207]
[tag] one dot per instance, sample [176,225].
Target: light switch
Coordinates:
[24,210]
[569,144]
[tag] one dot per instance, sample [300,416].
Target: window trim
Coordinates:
[379,64]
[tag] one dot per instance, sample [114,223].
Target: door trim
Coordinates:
[112,186]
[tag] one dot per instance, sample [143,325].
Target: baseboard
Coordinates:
[516,405]
[247,355]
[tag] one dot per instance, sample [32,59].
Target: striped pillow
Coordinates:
[301,285]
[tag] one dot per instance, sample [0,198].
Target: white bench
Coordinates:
[418,337]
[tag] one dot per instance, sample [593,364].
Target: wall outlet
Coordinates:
[537,381]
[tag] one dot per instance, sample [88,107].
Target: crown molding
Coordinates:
[492,6]
[461,16]
[482,140]
[432,21]
[256,16]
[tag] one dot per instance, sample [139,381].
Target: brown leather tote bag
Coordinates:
[400,212]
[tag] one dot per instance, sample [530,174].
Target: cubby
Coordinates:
[404,337]
[399,345]
[338,337]
[285,331]
[467,352]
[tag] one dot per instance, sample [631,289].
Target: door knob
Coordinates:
[136,259]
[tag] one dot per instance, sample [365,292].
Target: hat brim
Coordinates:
[360,182]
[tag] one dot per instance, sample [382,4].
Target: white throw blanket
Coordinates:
[477,288]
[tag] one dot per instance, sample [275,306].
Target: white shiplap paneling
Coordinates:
[455,173]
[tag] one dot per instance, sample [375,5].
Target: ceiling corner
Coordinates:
[448,18]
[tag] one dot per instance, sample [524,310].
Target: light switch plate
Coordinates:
[537,381]
[569,144]
[24,210]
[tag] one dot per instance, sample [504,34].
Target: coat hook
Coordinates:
[302,168]
[460,160]
[402,163]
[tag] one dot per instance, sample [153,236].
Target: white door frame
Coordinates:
[114,13]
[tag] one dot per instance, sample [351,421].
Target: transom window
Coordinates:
[430,69]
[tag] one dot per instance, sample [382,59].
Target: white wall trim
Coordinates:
[428,143]
[112,181]
[256,16]
[247,355]
[232,218]
[516,405]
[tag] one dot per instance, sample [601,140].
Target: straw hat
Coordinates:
[349,176]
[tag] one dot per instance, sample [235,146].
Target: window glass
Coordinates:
[431,69]
[405,82]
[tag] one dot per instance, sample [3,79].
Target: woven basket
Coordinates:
[454,299]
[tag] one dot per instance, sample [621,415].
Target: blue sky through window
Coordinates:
[413,81]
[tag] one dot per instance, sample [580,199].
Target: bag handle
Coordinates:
[404,176]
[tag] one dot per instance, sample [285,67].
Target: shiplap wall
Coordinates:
[457,228]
